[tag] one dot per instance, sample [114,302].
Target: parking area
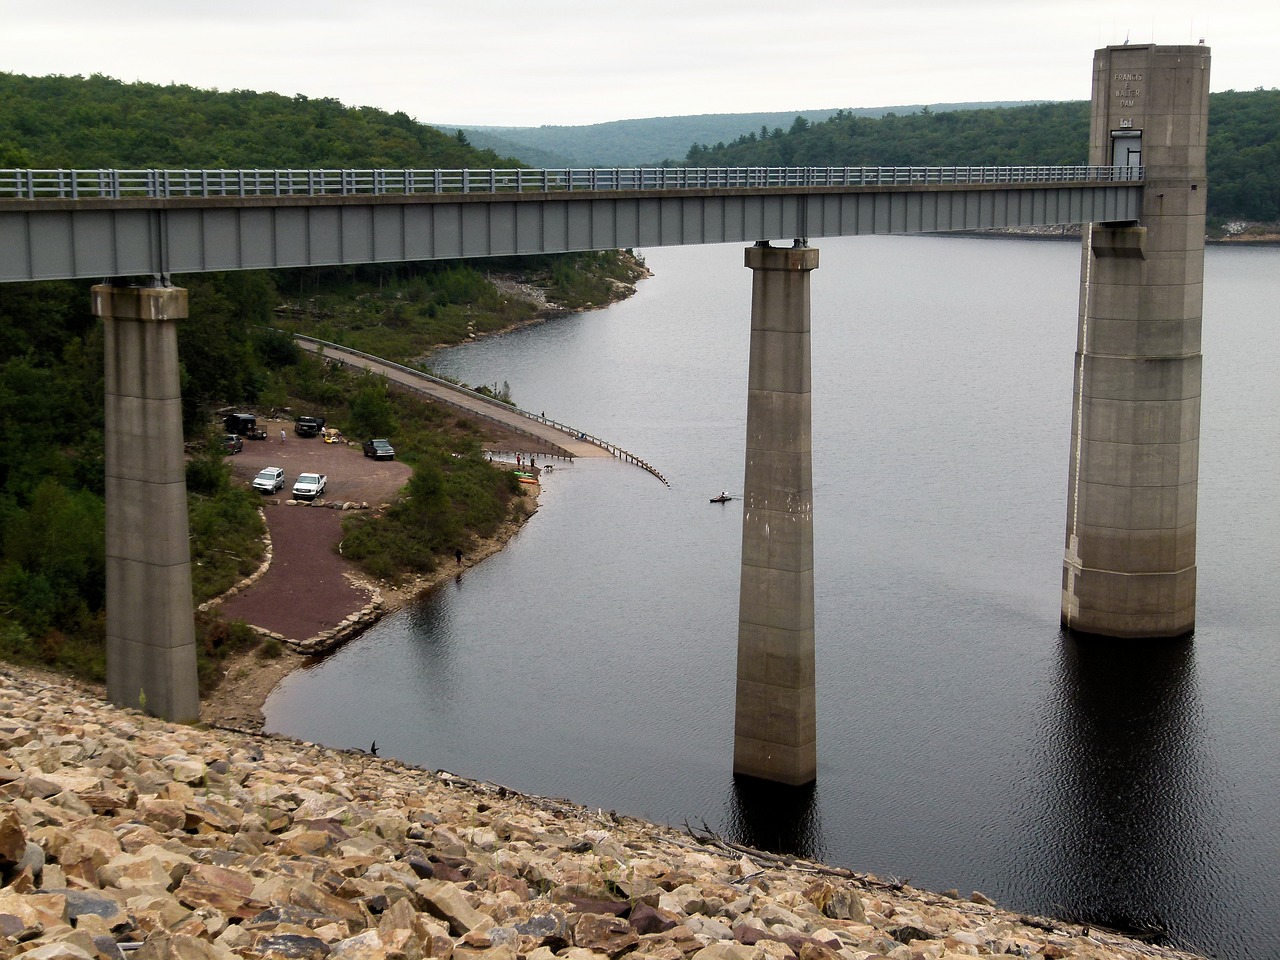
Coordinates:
[351,475]
[308,587]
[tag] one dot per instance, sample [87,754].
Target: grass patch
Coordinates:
[453,498]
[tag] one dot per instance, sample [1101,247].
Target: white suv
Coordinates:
[269,480]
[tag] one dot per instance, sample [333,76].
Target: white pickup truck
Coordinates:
[308,486]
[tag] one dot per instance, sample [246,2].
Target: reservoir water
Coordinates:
[964,741]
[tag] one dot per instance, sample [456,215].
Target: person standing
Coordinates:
[282,436]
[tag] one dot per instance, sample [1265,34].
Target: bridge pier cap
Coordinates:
[1129,567]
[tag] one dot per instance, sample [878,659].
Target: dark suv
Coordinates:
[308,426]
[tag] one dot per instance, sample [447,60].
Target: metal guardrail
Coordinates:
[22,184]
[564,428]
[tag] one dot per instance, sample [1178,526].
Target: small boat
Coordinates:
[723,498]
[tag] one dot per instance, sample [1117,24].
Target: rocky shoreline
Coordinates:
[122,834]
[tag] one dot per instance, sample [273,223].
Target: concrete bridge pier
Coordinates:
[151,649]
[775,728]
[1129,568]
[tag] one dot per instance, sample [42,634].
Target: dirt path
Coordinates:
[308,587]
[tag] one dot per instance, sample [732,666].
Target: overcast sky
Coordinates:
[534,62]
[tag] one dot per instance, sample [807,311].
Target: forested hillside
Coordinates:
[96,121]
[1243,153]
[653,140]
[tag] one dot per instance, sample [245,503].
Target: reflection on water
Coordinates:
[1128,785]
[775,817]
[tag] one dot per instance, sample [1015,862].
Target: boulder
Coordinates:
[448,902]
[604,933]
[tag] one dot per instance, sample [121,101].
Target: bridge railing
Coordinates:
[19,184]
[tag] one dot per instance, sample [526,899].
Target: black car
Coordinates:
[379,450]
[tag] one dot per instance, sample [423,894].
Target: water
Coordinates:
[963,740]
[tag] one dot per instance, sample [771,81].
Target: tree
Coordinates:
[371,411]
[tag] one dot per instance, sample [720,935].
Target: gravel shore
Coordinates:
[122,834]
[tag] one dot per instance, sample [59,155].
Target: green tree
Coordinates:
[54,566]
[371,412]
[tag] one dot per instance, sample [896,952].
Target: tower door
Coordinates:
[1126,148]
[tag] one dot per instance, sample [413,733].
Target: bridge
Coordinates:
[86,224]
[1129,550]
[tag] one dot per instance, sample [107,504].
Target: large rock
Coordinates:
[80,903]
[446,901]
[604,933]
[13,840]
[227,891]
[837,902]
[363,946]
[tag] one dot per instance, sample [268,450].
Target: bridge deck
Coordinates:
[87,224]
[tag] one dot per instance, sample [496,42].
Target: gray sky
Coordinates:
[534,62]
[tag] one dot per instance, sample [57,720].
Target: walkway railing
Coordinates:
[167,184]
[612,448]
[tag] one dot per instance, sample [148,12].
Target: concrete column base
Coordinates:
[151,648]
[775,726]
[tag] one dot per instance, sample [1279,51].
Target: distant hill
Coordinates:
[1243,147]
[649,142]
[97,121]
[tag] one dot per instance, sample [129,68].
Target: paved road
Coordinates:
[562,437]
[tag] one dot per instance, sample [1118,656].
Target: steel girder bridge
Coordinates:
[91,224]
